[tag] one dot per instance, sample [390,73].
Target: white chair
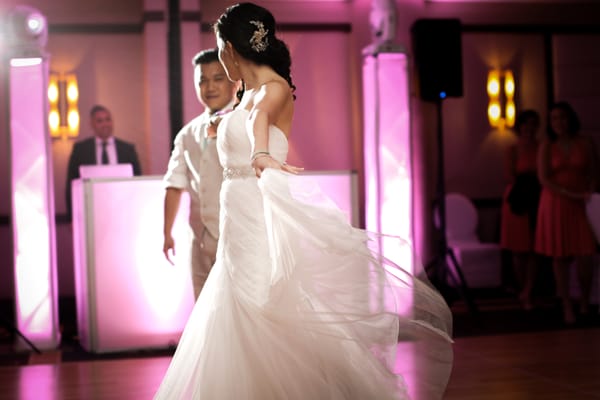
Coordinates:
[480,262]
[593,214]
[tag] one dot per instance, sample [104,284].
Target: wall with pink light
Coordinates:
[108,69]
[577,77]
[84,12]
[322,132]
[475,151]
[112,69]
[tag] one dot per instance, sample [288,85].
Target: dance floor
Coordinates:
[553,365]
[502,354]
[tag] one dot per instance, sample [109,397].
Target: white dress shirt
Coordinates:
[194,166]
[111,150]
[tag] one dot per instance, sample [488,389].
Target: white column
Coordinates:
[32,200]
[387,152]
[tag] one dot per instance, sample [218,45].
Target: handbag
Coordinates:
[524,194]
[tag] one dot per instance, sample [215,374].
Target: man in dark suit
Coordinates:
[101,149]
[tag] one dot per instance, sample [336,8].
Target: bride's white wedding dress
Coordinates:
[297,307]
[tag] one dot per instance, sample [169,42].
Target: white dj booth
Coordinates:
[128,295]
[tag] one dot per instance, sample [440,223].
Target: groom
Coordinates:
[194,166]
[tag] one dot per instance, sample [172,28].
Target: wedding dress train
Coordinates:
[298,305]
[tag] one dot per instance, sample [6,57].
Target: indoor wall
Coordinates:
[111,46]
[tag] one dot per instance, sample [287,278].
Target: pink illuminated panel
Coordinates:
[387,148]
[32,204]
[388,177]
[128,295]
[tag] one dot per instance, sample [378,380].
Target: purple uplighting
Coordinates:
[387,151]
[128,296]
[32,204]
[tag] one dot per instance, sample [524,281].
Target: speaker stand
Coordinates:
[11,327]
[438,269]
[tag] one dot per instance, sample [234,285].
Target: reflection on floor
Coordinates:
[498,313]
[501,353]
[548,365]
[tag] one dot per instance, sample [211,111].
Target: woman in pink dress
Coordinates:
[520,203]
[567,172]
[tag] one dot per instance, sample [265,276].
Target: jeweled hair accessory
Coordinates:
[259,39]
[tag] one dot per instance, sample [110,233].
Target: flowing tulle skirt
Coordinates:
[298,306]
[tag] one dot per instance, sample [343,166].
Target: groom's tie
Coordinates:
[104,153]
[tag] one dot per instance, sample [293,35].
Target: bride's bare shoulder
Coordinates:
[275,90]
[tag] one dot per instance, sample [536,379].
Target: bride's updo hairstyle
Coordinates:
[251,31]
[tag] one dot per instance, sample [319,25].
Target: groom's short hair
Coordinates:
[205,57]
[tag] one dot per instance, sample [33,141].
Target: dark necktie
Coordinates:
[104,153]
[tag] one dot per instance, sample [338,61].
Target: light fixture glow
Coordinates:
[509,84]
[53,90]
[73,120]
[26,32]
[63,96]
[494,111]
[54,120]
[35,24]
[510,113]
[72,91]
[25,62]
[501,91]
[493,85]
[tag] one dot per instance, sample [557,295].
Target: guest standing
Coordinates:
[520,203]
[566,170]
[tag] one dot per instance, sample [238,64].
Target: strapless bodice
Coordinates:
[234,143]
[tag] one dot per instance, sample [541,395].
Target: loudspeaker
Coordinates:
[438,58]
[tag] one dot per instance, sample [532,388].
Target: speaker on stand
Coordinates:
[438,60]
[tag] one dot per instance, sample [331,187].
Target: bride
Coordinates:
[297,306]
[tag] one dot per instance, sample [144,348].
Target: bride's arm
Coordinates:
[269,102]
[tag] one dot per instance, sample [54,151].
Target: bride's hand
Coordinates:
[266,161]
[291,169]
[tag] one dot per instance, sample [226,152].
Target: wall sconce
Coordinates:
[63,96]
[501,92]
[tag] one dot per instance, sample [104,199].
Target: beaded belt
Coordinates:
[233,173]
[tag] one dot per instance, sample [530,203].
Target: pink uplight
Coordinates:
[128,295]
[387,152]
[32,204]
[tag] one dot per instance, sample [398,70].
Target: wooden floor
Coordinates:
[553,365]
